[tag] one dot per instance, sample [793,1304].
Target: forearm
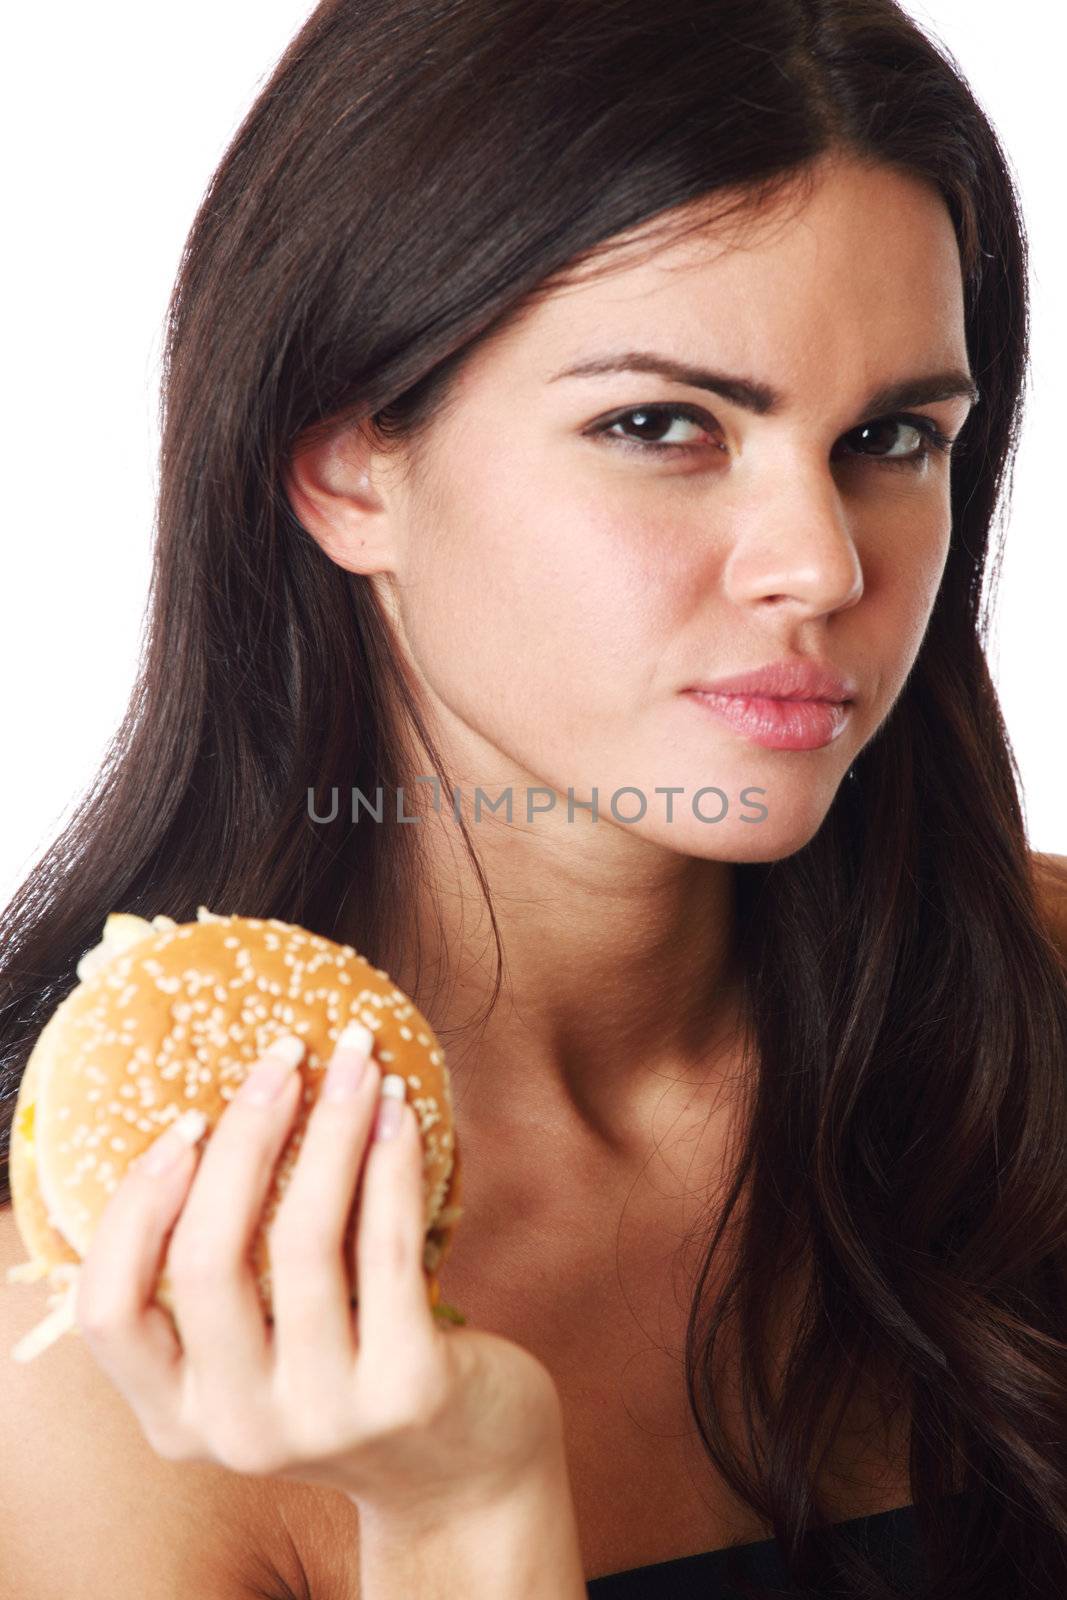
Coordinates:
[524,1545]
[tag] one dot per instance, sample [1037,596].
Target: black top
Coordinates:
[888,1538]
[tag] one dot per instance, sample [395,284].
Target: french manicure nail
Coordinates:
[168,1148]
[270,1075]
[390,1106]
[356,1036]
[348,1066]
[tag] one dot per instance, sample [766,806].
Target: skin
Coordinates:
[554,593]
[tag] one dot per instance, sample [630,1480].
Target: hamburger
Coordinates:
[168,1017]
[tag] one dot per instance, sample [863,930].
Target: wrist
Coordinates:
[521,1541]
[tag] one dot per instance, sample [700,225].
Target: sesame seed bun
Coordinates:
[168,1017]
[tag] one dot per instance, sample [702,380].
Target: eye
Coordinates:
[876,440]
[654,424]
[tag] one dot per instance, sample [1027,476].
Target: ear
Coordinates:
[332,481]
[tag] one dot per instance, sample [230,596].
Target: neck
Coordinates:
[620,977]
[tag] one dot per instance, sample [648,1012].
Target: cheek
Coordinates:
[921,561]
[902,579]
[521,601]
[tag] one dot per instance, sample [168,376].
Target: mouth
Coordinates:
[793,678]
[777,722]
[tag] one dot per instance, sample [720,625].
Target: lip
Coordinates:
[778,724]
[789,705]
[795,678]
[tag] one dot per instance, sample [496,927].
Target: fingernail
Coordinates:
[348,1066]
[268,1077]
[390,1107]
[168,1148]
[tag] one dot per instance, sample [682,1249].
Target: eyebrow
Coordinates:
[760,397]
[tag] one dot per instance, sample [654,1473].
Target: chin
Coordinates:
[771,847]
[773,838]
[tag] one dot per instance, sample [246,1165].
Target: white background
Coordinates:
[113,118]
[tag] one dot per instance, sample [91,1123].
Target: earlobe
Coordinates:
[329,485]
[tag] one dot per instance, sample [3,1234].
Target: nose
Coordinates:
[793,546]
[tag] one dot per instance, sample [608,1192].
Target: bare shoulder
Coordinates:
[77,1465]
[1050,880]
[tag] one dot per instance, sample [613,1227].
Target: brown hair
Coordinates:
[411,175]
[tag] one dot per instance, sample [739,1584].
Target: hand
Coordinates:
[379,1401]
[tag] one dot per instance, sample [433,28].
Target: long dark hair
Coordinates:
[414,172]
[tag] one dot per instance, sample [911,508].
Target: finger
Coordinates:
[315,1341]
[394,1313]
[216,1306]
[131,1338]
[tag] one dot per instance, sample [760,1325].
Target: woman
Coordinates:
[532,368]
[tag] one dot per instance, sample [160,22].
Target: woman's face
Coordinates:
[560,584]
